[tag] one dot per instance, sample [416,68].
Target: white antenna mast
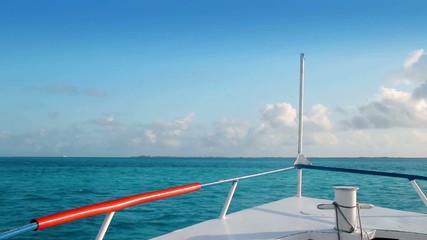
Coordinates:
[301,104]
[300,157]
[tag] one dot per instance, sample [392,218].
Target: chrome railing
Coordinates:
[410,177]
[234,186]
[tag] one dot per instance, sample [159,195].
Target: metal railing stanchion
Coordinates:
[419,191]
[228,200]
[105,226]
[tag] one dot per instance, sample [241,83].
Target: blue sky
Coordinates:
[212,78]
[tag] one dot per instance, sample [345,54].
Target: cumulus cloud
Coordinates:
[149,135]
[317,116]
[168,133]
[421,91]
[278,122]
[274,134]
[34,143]
[413,71]
[233,137]
[279,115]
[227,132]
[103,136]
[234,129]
[420,136]
[413,58]
[324,138]
[402,108]
[392,107]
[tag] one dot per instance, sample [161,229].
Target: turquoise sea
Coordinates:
[35,187]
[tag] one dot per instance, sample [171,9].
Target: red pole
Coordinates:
[113,205]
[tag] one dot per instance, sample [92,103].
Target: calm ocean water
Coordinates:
[35,187]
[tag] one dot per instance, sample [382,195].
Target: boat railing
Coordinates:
[409,177]
[234,182]
[110,207]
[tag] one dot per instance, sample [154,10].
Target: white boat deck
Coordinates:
[294,215]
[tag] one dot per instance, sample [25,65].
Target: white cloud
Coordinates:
[420,91]
[413,72]
[275,131]
[393,107]
[390,108]
[400,142]
[278,122]
[168,133]
[227,133]
[394,121]
[274,135]
[150,136]
[233,130]
[395,116]
[279,115]
[324,138]
[317,116]
[357,137]
[413,58]
[420,136]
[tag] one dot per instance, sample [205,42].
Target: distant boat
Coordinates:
[294,218]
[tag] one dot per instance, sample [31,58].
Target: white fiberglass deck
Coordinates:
[294,215]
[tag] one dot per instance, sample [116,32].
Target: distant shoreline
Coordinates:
[213,157]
